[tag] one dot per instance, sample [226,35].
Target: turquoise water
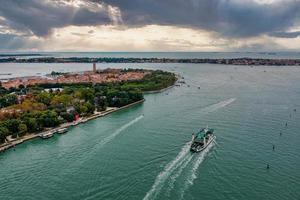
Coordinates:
[142,152]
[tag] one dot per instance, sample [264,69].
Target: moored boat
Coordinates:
[75,123]
[83,120]
[47,135]
[62,130]
[202,139]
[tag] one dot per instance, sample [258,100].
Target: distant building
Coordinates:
[94,68]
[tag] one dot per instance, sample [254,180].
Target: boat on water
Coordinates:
[75,123]
[83,120]
[47,135]
[202,139]
[62,130]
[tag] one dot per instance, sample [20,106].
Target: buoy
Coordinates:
[273,147]
[268,167]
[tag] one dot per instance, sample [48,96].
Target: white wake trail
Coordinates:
[182,156]
[217,106]
[118,131]
[177,174]
[193,173]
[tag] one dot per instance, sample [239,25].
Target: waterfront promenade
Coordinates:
[20,140]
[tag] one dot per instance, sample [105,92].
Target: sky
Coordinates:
[149,25]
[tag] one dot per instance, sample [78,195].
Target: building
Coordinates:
[94,68]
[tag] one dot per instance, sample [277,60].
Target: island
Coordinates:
[224,61]
[37,106]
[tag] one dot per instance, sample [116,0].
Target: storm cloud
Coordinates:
[286,34]
[22,20]
[41,16]
[231,18]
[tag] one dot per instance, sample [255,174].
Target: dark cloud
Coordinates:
[286,34]
[233,18]
[40,16]
[230,18]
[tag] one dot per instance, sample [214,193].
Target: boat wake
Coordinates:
[118,131]
[189,181]
[217,106]
[174,177]
[183,157]
[175,168]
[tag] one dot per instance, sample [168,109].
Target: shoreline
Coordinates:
[225,61]
[8,145]
[158,91]
[164,89]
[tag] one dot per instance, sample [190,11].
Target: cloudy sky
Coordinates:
[149,25]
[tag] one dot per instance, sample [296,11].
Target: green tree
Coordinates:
[13,126]
[91,107]
[44,97]
[11,99]
[48,118]
[32,124]
[3,133]
[22,129]
[69,117]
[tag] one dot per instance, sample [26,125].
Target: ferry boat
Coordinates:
[47,135]
[202,139]
[62,130]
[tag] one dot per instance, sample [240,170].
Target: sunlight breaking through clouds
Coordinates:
[150,25]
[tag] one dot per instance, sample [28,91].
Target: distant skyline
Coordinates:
[149,25]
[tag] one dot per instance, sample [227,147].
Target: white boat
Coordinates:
[83,120]
[62,130]
[47,135]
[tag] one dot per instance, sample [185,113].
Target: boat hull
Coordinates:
[62,131]
[197,150]
[46,136]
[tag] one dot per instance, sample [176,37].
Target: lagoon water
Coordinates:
[142,152]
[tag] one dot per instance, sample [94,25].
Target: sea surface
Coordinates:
[271,55]
[143,152]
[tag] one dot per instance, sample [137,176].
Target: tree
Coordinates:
[13,125]
[8,100]
[67,116]
[90,107]
[22,129]
[85,93]
[48,118]
[65,99]
[32,124]
[44,97]
[3,133]
[83,109]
